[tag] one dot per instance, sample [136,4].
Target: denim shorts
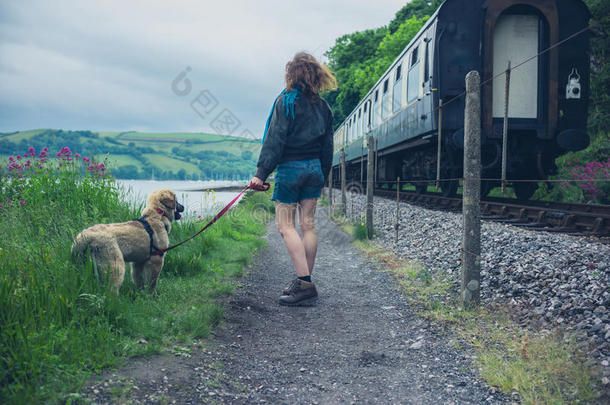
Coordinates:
[298,180]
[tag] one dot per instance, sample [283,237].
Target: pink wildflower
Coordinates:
[18,157]
[22,202]
[11,159]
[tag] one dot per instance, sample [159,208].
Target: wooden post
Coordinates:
[471,237]
[370,168]
[439,144]
[376,160]
[396,225]
[351,203]
[330,191]
[505,128]
[361,164]
[343,196]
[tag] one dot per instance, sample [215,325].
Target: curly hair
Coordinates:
[312,76]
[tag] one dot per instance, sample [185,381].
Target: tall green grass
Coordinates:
[58,324]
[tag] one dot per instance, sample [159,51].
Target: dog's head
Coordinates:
[165,203]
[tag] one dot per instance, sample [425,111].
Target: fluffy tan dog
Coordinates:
[111,245]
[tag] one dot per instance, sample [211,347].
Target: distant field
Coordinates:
[23,134]
[175,164]
[224,155]
[172,135]
[117,160]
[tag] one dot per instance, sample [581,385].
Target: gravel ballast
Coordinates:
[550,280]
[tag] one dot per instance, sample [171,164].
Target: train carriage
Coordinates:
[548,95]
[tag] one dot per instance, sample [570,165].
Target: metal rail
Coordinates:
[579,219]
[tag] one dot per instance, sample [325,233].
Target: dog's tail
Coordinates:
[80,248]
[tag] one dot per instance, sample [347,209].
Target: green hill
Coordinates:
[140,155]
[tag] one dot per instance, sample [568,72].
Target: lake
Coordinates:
[195,202]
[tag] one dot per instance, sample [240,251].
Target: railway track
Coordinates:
[578,219]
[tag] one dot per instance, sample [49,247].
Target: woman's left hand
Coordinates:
[256,182]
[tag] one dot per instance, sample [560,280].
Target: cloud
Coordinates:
[108,65]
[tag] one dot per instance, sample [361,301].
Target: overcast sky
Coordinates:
[109,65]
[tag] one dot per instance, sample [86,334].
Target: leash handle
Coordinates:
[263,187]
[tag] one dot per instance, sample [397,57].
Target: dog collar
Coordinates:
[160,212]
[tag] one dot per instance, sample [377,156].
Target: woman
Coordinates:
[298,139]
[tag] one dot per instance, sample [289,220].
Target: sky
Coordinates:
[161,66]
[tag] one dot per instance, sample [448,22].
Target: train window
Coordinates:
[397,91]
[415,56]
[359,125]
[413,76]
[347,135]
[347,132]
[385,100]
[375,111]
[347,139]
[427,61]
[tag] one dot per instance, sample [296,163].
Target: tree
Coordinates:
[415,8]
[359,59]
[599,105]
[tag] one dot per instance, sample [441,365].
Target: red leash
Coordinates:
[264,187]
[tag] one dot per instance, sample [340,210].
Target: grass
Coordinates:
[58,325]
[544,368]
[355,228]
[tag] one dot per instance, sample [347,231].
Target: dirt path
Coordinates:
[359,344]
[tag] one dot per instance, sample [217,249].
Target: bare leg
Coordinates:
[307,210]
[284,216]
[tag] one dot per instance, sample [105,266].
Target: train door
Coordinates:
[516,39]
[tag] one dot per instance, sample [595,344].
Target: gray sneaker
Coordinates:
[299,293]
